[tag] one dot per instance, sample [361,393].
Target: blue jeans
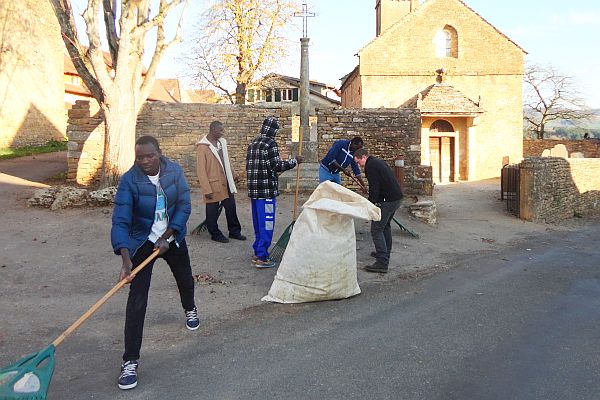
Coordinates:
[381,232]
[263,220]
[325,175]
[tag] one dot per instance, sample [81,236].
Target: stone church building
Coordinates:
[463,74]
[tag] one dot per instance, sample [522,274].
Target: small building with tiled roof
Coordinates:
[461,72]
[284,91]
[281,90]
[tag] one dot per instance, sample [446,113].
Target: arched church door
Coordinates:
[441,151]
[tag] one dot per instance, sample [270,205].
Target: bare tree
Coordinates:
[550,96]
[239,39]
[122,86]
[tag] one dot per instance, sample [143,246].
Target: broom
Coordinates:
[202,226]
[279,248]
[29,377]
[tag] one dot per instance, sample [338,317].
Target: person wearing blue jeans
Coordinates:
[338,158]
[152,207]
[263,164]
[385,192]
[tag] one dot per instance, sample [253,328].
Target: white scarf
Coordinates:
[227,166]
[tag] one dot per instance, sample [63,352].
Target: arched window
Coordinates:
[446,43]
[441,125]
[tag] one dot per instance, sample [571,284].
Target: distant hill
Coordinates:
[575,129]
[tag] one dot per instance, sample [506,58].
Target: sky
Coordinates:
[560,33]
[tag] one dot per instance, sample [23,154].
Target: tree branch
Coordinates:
[111,29]
[94,53]
[161,46]
[158,19]
[64,15]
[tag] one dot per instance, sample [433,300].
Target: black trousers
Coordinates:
[381,232]
[212,215]
[178,260]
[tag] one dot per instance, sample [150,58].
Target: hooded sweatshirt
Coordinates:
[263,162]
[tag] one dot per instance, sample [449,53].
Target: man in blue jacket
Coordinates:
[152,207]
[338,158]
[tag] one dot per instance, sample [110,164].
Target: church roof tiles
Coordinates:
[443,98]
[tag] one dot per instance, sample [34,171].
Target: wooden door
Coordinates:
[434,158]
[441,155]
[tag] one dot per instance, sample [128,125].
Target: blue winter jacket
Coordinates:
[135,204]
[340,152]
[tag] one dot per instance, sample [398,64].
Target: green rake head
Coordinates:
[29,377]
[200,228]
[278,249]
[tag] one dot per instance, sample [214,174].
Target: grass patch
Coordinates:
[50,147]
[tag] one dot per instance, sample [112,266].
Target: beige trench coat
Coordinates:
[212,175]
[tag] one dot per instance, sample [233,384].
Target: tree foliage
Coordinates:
[118,81]
[238,40]
[550,96]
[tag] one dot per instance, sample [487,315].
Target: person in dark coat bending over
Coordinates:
[385,193]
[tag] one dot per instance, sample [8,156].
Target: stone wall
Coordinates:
[178,127]
[31,74]
[387,134]
[553,189]
[85,131]
[534,148]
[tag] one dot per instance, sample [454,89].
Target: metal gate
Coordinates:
[510,182]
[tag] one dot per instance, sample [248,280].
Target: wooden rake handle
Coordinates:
[297,174]
[364,188]
[103,300]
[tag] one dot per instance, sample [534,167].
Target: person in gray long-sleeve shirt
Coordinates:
[385,192]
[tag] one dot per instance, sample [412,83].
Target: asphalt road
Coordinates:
[520,324]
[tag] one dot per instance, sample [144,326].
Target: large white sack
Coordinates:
[319,262]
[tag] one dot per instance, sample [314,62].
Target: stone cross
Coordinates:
[304,15]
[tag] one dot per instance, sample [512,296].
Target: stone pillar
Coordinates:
[86,143]
[308,178]
[308,150]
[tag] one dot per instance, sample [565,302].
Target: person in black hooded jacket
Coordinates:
[385,192]
[263,165]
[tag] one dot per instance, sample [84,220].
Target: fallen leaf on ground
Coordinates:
[207,279]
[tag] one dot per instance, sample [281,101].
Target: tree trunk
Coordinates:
[540,131]
[119,140]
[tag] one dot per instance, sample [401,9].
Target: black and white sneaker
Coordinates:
[128,377]
[192,322]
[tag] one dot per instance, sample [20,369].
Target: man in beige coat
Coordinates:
[217,181]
